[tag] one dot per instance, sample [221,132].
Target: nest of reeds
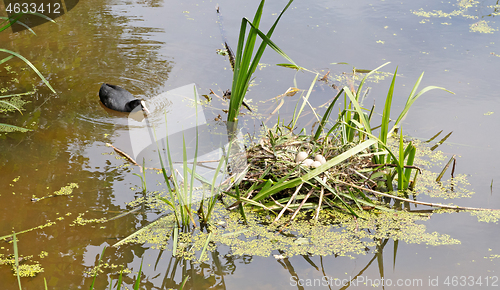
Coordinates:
[274,160]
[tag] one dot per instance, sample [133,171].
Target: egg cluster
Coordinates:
[302,159]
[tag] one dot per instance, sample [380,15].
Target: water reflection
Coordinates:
[90,44]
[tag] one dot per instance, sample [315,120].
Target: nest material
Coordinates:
[274,158]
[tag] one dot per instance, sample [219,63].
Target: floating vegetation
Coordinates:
[464,6]
[486,216]
[80,221]
[482,27]
[65,190]
[27,270]
[335,233]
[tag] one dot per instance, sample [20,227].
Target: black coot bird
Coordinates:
[119,99]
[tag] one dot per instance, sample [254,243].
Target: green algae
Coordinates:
[486,216]
[80,221]
[335,233]
[63,191]
[463,8]
[29,270]
[481,27]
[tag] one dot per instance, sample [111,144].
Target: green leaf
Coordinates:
[32,67]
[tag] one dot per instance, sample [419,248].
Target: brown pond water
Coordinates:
[150,47]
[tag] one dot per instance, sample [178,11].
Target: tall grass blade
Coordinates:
[15,19]
[409,162]
[205,247]
[387,111]
[357,107]
[400,164]
[244,64]
[196,146]
[5,60]
[360,87]
[97,268]
[326,116]
[9,104]
[32,67]
[16,259]
[412,97]
[184,281]
[120,279]
[175,241]
[296,117]
[138,280]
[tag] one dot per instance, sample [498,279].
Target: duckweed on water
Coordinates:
[427,158]
[26,270]
[464,6]
[482,27]
[80,221]
[486,216]
[334,234]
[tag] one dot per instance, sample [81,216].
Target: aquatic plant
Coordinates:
[355,122]
[6,23]
[181,189]
[245,64]
[278,181]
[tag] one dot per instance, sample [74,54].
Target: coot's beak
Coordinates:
[144,108]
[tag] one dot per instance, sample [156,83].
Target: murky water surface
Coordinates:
[150,47]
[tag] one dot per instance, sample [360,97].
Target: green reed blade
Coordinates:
[296,117]
[177,212]
[138,280]
[5,60]
[16,128]
[97,268]
[120,279]
[9,23]
[184,281]
[175,241]
[196,146]
[205,246]
[358,92]
[244,64]
[387,110]
[32,67]
[240,206]
[409,162]
[400,164]
[357,107]
[16,259]
[412,97]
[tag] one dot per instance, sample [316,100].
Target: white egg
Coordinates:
[307,162]
[316,164]
[300,156]
[320,159]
